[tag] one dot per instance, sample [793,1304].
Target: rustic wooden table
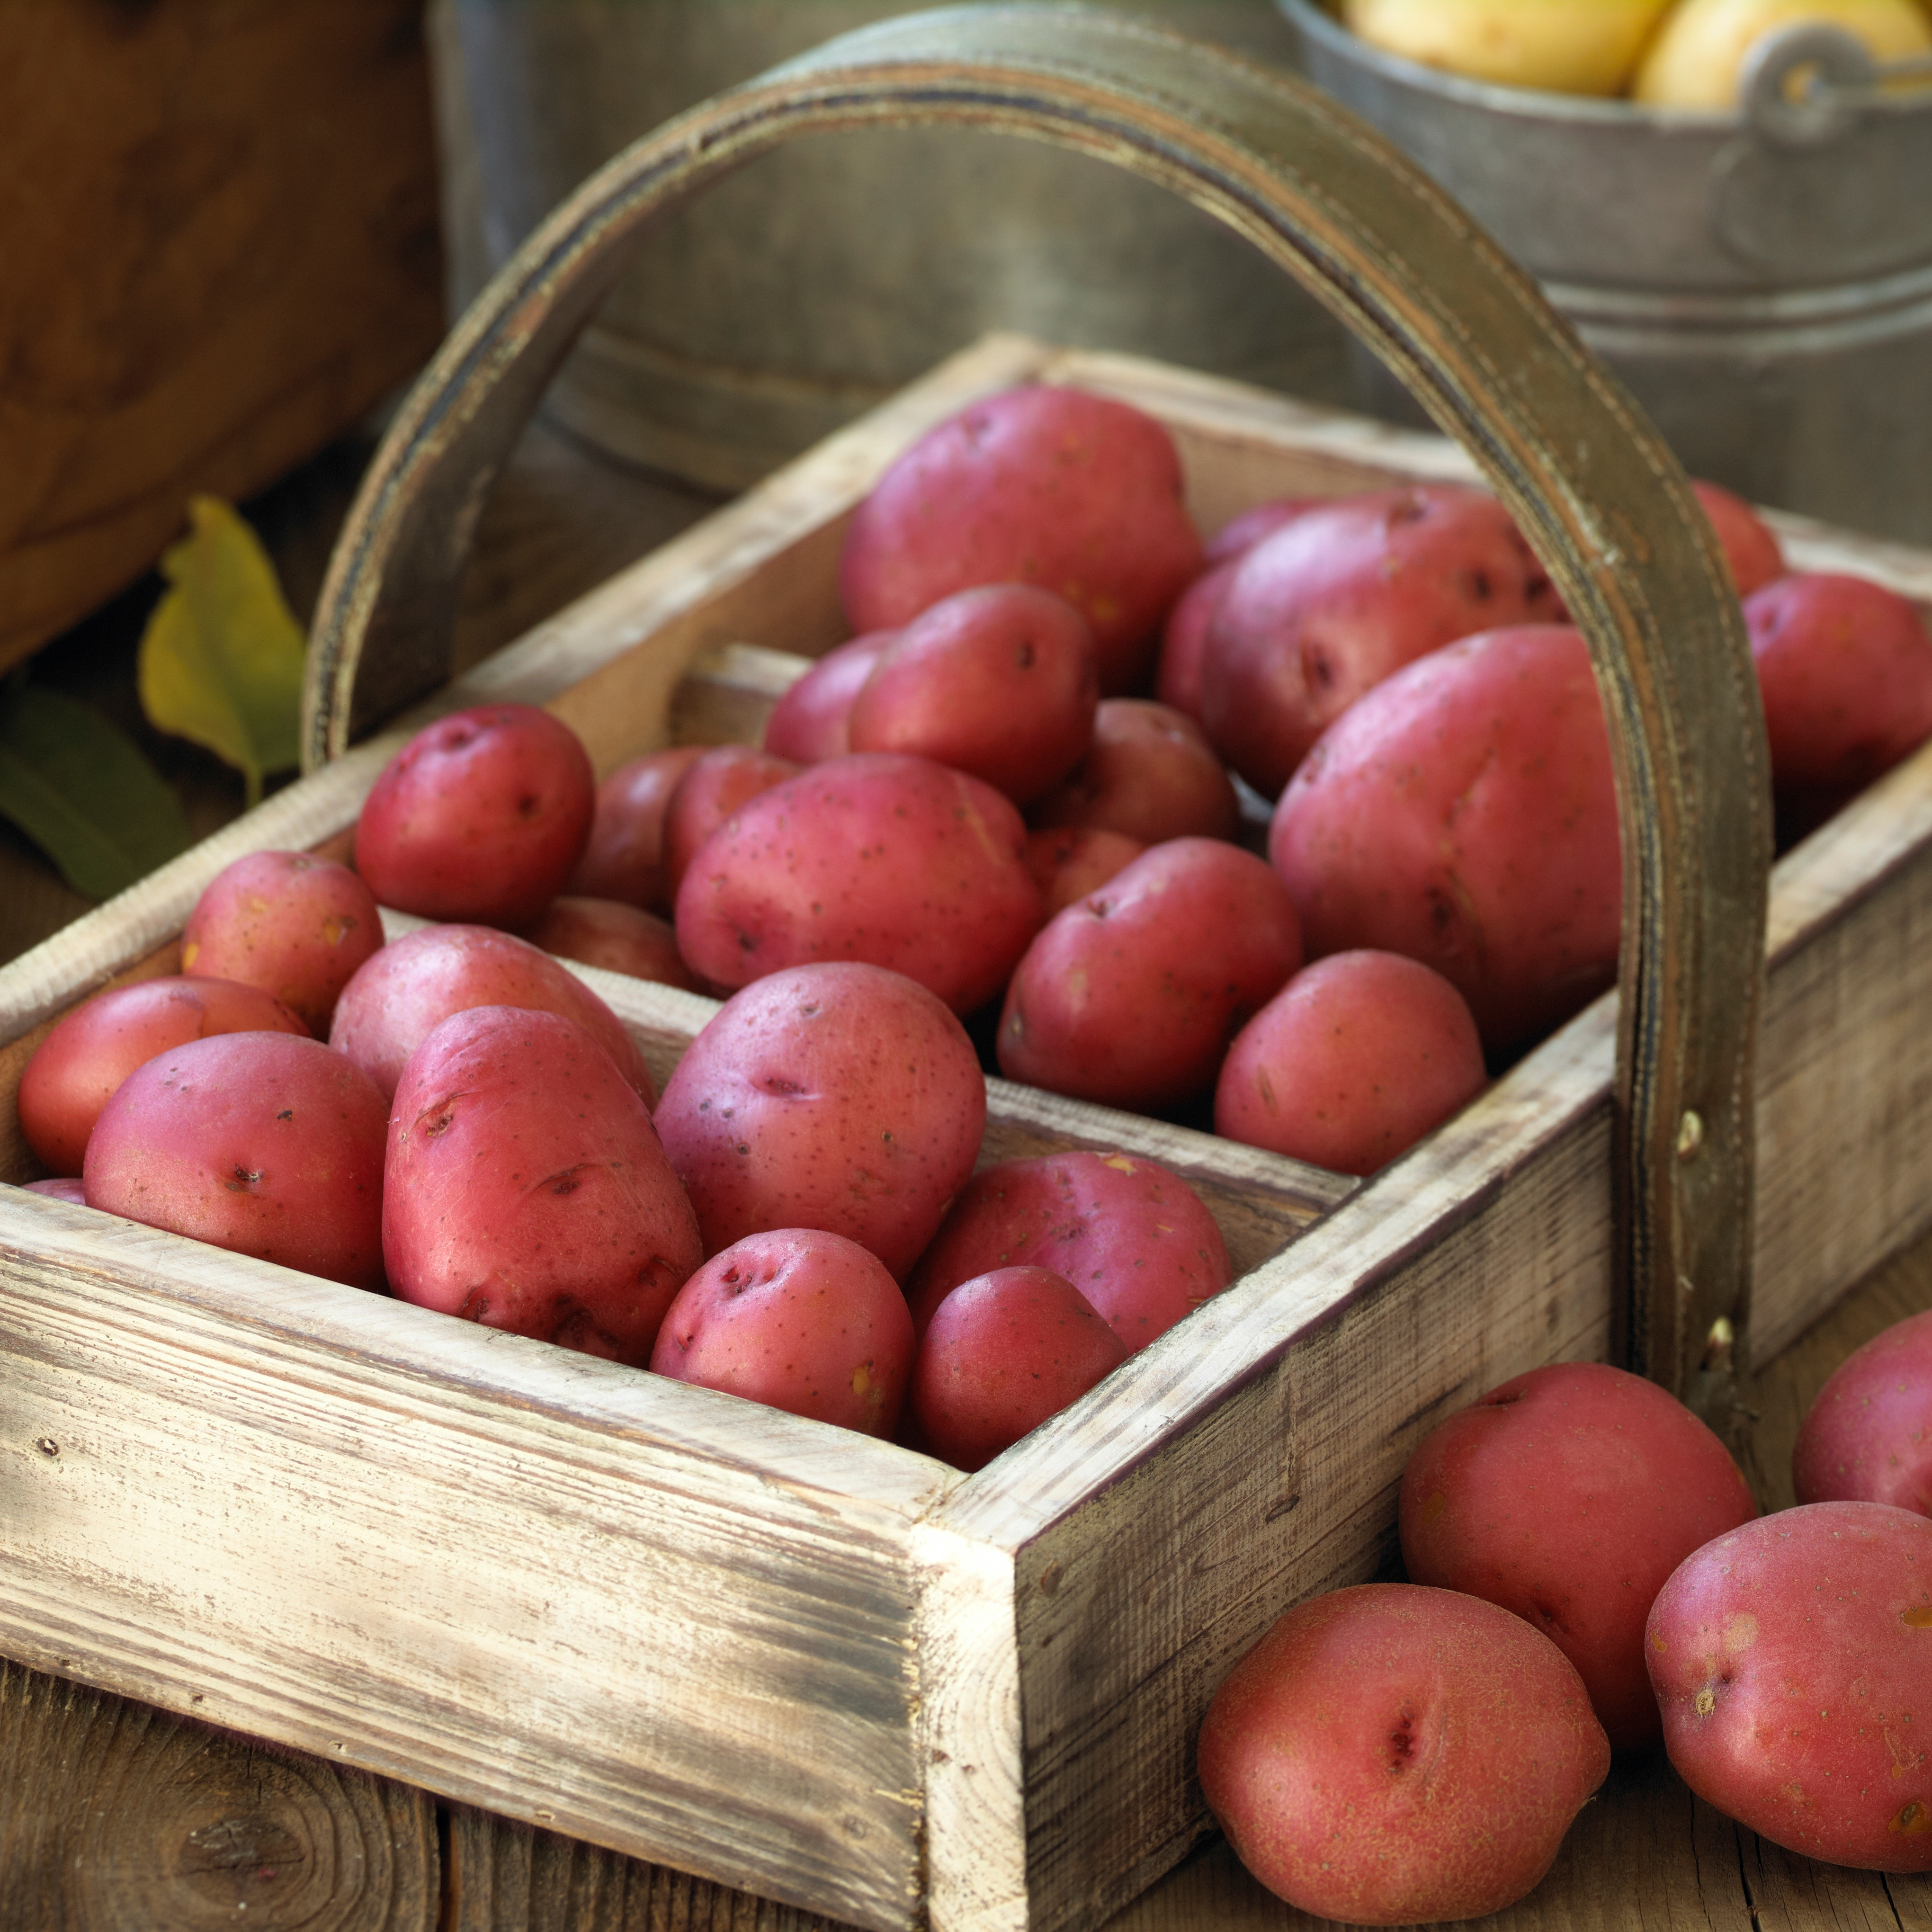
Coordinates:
[114,1815]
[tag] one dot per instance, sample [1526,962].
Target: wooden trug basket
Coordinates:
[818,1667]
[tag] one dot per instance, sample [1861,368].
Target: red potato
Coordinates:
[1000,681]
[296,925]
[837,1096]
[810,722]
[1239,535]
[1075,493]
[1354,1059]
[1149,774]
[1002,1353]
[1131,997]
[525,1189]
[265,1144]
[481,817]
[1568,1495]
[799,1319]
[67,1187]
[620,938]
[624,859]
[1390,1754]
[878,857]
[389,1008]
[1867,1438]
[1346,594]
[1793,1661]
[1069,861]
[92,1049]
[1136,1240]
[1844,667]
[723,779]
[1463,813]
[1750,546]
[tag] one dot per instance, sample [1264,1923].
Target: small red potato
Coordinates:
[1239,535]
[799,1319]
[1000,681]
[811,721]
[67,1187]
[1463,813]
[388,1009]
[1131,997]
[1002,1353]
[878,857]
[624,859]
[1149,774]
[721,780]
[1334,602]
[524,1187]
[1136,1240]
[265,1144]
[837,1096]
[1075,493]
[1792,1659]
[1353,1060]
[1068,861]
[1750,546]
[296,925]
[95,1046]
[1867,1438]
[620,938]
[481,817]
[1389,1755]
[1567,1495]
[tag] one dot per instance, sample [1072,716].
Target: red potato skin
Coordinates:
[93,1047]
[389,1008]
[624,859]
[296,925]
[1136,1240]
[1337,600]
[1069,861]
[1352,1062]
[525,1189]
[1239,535]
[799,1319]
[481,817]
[811,721]
[1131,997]
[1388,1755]
[1149,774]
[1002,1353]
[1867,1438]
[840,1096]
[265,1144]
[67,1187]
[620,938]
[1793,1661]
[878,857]
[1463,813]
[1750,547]
[1568,1495]
[723,779]
[1077,493]
[1001,681]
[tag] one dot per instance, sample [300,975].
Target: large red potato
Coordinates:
[296,925]
[1075,493]
[481,817]
[1793,1659]
[878,857]
[94,1047]
[840,1096]
[1346,594]
[799,1319]
[1567,1495]
[624,859]
[1389,1754]
[1463,813]
[1867,1438]
[812,720]
[1149,774]
[1136,1240]
[525,1189]
[1353,1060]
[1131,996]
[266,1143]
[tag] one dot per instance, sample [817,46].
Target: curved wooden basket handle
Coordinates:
[1594,488]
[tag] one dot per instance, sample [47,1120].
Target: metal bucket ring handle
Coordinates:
[1594,488]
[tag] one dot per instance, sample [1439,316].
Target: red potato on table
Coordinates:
[618,938]
[1149,774]
[1867,1437]
[624,859]
[525,1189]
[811,721]
[721,780]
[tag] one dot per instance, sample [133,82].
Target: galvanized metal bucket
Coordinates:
[1761,281]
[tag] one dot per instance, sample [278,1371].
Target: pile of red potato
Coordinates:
[974,818]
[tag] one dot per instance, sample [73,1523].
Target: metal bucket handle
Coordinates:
[1595,489]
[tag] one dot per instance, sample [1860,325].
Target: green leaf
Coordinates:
[221,658]
[83,792]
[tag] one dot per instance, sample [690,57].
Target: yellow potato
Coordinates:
[1694,60]
[1568,47]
